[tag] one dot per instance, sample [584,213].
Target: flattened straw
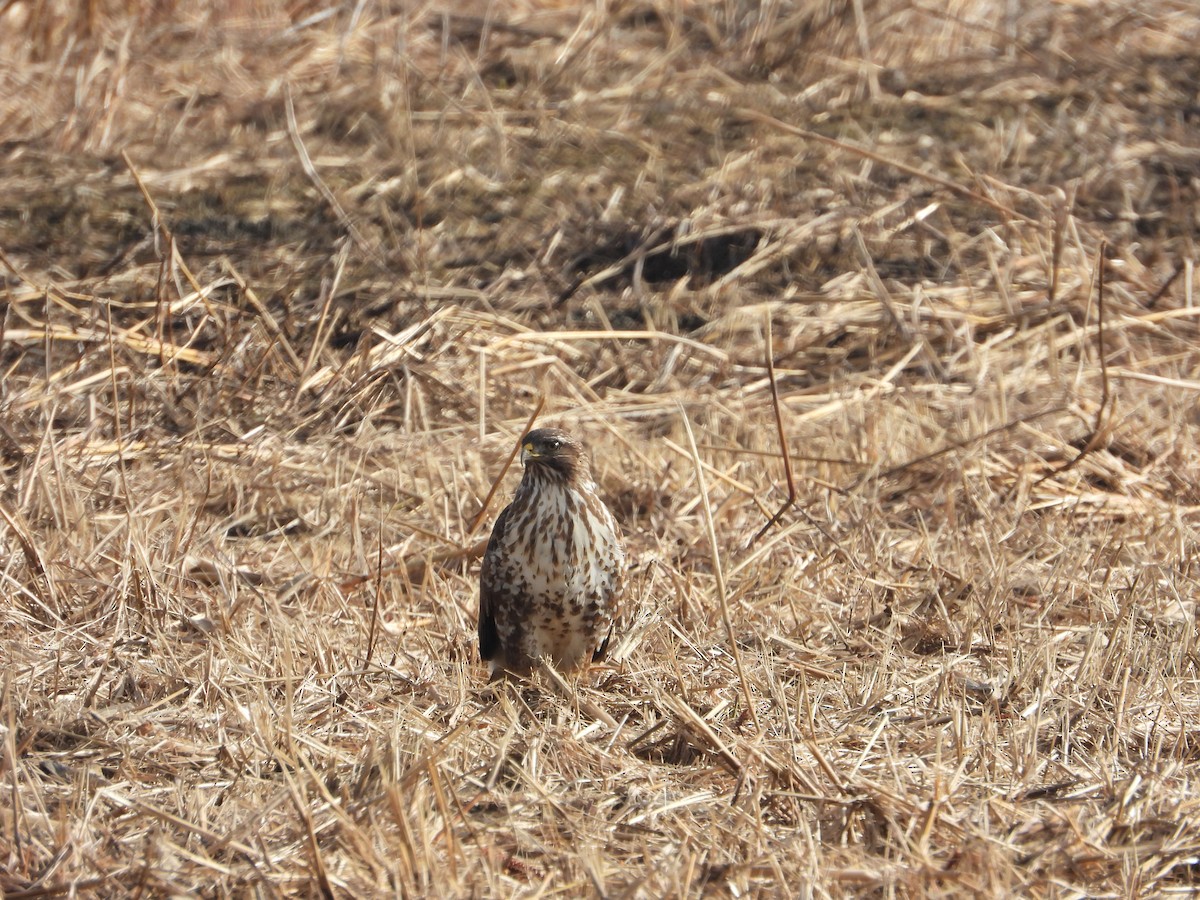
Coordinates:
[952,186]
[268,319]
[414,569]
[566,337]
[953,447]
[885,300]
[697,724]
[569,694]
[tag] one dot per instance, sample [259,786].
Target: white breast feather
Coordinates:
[579,584]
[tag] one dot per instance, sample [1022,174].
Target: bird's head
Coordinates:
[550,450]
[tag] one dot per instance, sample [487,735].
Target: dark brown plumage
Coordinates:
[554,568]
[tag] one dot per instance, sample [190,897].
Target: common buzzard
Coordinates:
[554,568]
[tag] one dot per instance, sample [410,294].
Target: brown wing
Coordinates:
[616,598]
[489,637]
[602,650]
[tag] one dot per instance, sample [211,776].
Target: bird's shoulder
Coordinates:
[499,533]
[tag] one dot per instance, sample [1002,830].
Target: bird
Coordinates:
[553,573]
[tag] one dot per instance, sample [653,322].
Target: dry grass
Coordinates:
[282,285]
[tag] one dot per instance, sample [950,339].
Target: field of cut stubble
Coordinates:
[282,284]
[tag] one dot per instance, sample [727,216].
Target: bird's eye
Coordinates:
[553,444]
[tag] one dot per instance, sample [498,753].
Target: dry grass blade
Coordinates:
[784,451]
[314,176]
[160,224]
[1100,429]
[718,571]
[33,559]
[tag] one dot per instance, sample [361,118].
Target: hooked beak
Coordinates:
[527,452]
